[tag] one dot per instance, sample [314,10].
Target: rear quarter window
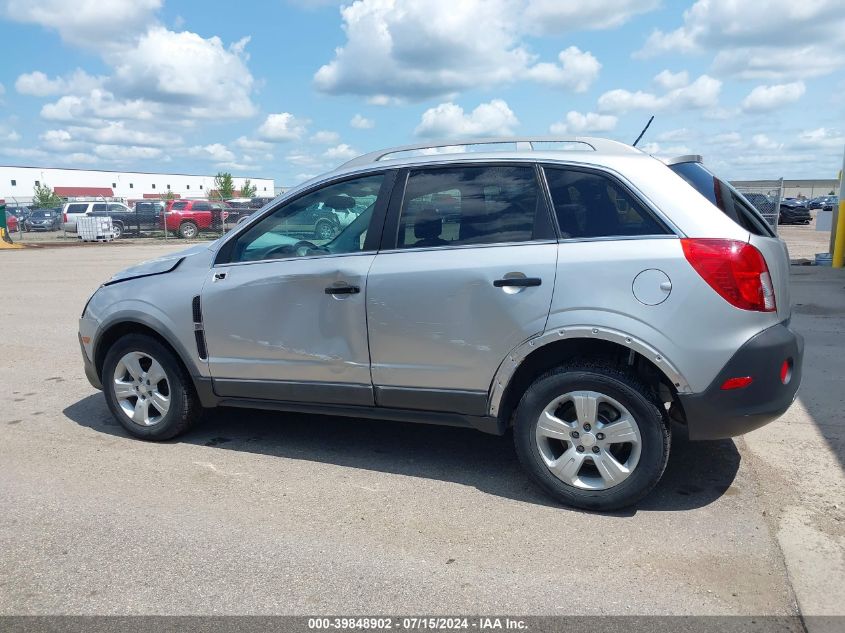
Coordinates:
[77,208]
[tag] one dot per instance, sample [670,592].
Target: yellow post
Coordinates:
[839,240]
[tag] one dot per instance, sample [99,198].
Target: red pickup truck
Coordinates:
[188,217]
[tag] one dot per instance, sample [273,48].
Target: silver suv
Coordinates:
[575,291]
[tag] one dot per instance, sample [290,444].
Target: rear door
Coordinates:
[761,234]
[465,274]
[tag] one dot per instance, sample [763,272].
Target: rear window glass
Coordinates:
[724,197]
[589,205]
[469,205]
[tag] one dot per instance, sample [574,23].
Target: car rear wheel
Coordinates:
[148,390]
[188,230]
[117,230]
[592,436]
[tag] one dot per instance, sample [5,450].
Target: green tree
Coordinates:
[169,195]
[45,198]
[224,185]
[248,190]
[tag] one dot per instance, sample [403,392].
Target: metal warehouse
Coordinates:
[17,183]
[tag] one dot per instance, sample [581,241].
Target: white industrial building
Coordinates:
[17,183]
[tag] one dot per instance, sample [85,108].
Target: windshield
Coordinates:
[730,201]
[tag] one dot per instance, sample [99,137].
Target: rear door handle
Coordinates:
[518,282]
[343,290]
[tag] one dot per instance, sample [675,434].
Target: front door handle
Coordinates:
[518,282]
[343,290]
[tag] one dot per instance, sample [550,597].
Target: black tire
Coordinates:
[188,230]
[185,408]
[628,391]
[117,228]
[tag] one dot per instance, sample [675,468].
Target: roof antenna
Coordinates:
[644,130]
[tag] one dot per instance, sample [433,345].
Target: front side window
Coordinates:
[589,205]
[469,205]
[329,221]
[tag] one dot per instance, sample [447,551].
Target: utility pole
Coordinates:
[837,227]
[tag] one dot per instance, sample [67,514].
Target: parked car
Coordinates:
[830,203]
[583,299]
[43,220]
[72,211]
[792,212]
[187,218]
[260,201]
[323,220]
[21,213]
[145,216]
[816,203]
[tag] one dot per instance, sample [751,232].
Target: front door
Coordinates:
[468,276]
[285,317]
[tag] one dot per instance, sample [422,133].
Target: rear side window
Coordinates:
[469,205]
[99,208]
[725,197]
[588,205]
[179,205]
[77,208]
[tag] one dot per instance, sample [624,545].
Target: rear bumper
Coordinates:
[716,413]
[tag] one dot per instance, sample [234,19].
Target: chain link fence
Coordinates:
[765,195]
[175,215]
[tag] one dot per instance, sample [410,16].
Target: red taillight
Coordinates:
[786,371]
[64,218]
[734,269]
[737,383]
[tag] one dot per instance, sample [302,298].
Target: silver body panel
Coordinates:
[431,318]
[274,321]
[437,322]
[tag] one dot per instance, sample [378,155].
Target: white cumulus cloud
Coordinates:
[340,152]
[362,123]
[764,98]
[577,70]
[701,93]
[576,123]
[776,40]
[281,127]
[405,49]
[449,120]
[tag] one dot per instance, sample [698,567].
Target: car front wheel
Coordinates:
[592,436]
[148,390]
[324,230]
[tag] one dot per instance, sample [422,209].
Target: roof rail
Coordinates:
[523,144]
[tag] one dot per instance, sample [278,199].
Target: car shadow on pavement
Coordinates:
[697,475]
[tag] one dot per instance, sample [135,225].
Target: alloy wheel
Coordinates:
[141,388]
[588,440]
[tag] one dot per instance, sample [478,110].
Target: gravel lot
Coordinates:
[257,513]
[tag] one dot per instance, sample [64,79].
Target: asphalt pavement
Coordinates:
[260,513]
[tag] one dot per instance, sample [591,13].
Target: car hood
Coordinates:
[159,265]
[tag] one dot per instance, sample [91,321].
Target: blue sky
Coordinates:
[289,89]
